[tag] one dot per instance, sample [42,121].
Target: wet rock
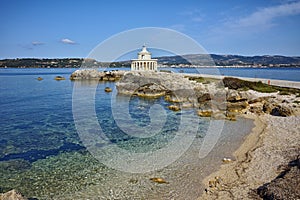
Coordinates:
[59,78]
[174,107]
[12,195]
[205,113]
[159,180]
[108,89]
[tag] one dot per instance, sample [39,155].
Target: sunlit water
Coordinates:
[42,155]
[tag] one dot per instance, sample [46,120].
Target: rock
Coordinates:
[226,160]
[237,106]
[277,109]
[205,113]
[204,98]
[257,109]
[159,180]
[174,107]
[154,84]
[231,116]
[234,96]
[59,78]
[12,195]
[39,78]
[260,99]
[82,74]
[108,89]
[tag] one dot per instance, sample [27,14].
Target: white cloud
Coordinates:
[67,41]
[264,18]
[36,43]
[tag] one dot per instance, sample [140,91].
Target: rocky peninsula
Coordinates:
[267,164]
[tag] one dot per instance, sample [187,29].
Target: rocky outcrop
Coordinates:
[174,87]
[211,100]
[86,74]
[12,195]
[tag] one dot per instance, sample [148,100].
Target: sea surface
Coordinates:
[290,74]
[43,156]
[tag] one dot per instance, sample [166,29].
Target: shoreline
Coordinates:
[258,160]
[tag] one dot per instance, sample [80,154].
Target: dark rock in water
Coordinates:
[285,186]
[12,195]
[108,89]
[59,78]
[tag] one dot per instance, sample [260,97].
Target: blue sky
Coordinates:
[66,28]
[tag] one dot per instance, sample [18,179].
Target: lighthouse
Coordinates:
[144,62]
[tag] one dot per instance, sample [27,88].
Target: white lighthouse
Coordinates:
[144,61]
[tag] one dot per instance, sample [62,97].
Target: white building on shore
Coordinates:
[144,62]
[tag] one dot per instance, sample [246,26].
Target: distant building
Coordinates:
[144,61]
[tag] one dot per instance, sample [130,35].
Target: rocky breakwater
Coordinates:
[93,74]
[219,99]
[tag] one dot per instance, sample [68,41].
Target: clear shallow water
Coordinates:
[42,155]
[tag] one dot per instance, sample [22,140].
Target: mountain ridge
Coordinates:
[195,60]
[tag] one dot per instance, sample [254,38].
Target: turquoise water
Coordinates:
[42,155]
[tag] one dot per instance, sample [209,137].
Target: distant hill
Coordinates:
[232,60]
[197,60]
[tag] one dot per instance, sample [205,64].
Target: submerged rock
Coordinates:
[159,180]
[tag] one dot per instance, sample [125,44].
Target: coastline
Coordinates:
[272,143]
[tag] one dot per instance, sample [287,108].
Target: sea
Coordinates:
[43,154]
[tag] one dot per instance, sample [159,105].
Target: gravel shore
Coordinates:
[264,155]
